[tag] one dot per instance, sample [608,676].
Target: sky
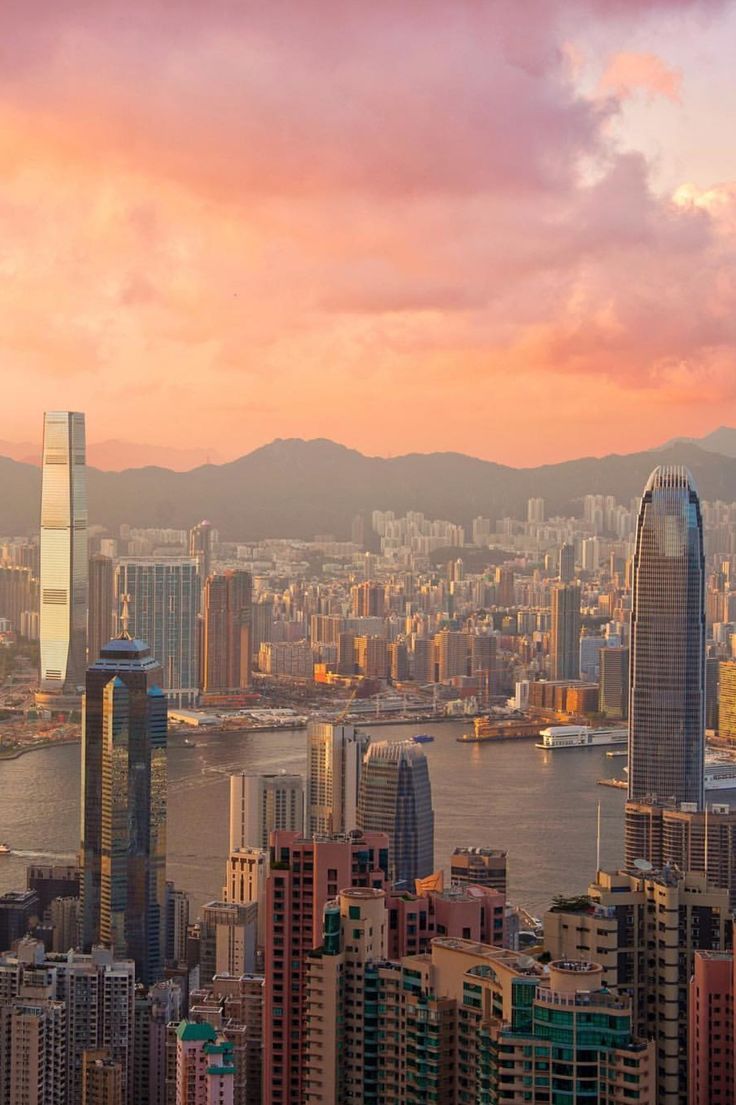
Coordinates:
[505,228]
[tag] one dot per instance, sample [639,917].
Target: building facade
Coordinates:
[63,601]
[564,648]
[226,632]
[261,803]
[335,754]
[123,847]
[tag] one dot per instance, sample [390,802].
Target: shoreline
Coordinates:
[16,753]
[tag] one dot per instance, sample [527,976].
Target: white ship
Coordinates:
[579,736]
[4,849]
[720,776]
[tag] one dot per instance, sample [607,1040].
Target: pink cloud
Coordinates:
[628,73]
[364,221]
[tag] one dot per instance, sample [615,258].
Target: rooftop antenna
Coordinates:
[124,616]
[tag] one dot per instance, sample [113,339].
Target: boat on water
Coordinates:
[720,776]
[4,849]
[617,752]
[422,738]
[579,736]
[490,729]
[619,784]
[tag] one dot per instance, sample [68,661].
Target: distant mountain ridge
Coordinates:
[722,440]
[296,488]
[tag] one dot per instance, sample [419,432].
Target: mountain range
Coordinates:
[295,488]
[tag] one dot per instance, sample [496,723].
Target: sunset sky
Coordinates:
[506,227]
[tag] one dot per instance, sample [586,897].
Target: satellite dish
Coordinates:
[643,865]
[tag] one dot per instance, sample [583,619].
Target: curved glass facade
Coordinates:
[667,694]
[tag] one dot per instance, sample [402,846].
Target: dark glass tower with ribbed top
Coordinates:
[123,845]
[667,691]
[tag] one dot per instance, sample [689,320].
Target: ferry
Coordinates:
[4,849]
[486,729]
[422,738]
[579,736]
[617,752]
[619,784]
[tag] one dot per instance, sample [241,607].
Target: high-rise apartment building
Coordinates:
[395,797]
[368,599]
[304,875]
[78,1003]
[727,701]
[626,919]
[123,847]
[101,601]
[371,657]
[163,598]
[335,754]
[205,1071]
[63,620]
[712,1035]
[463,1023]
[452,650]
[226,631]
[102,1078]
[423,655]
[261,803]
[18,593]
[667,693]
[535,510]
[564,648]
[228,940]
[234,1005]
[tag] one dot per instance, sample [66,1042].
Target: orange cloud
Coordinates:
[628,73]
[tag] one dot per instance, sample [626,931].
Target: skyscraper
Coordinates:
[565,634]
[614,682]
[123,847]
[63,618]
[334,761]
[201,545]
[261,803]
[101,601]
[164,606]
[226,631]
[667,692]
[567,563]
[395,797]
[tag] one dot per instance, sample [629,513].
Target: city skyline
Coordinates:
[452,233]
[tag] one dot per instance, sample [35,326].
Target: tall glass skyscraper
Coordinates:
[334,762]
[164,611]
[63,600]
[395,797]
[667,679]
[123,845]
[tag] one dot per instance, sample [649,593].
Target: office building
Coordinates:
[479,867]
[100,627]
[711,1036]
[261,803]
[205,1072]
[505,594]
[52,881]
[398,662]
[63,618]
[423,654]
[304,876]
[624,920]
[19,911]
[564,646]
[395,797]
[177,924]
[64,918]
[123,847]
[712,691]
[667,695]
[614,683]
[163,598]
[102,1079]
[262,624]
[226,632]
[335,755]
[202,539]
[18,594]
[567,563]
